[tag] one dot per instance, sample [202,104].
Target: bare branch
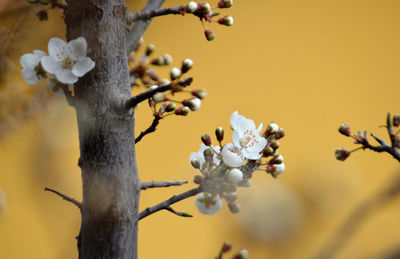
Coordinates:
[178,213]
[157,184]
[140,27]
[132,102]
[65,197]
[384,147]
[150,129]
[148,14]
[359,215]
[167,203]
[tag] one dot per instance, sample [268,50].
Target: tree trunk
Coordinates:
[111,185]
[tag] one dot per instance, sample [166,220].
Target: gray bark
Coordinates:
[110,180]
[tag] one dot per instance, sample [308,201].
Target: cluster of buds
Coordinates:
[223,168]
[227,247]
[142,75]
[361,138]
[204,11]
[42,14]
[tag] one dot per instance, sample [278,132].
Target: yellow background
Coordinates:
[307,65]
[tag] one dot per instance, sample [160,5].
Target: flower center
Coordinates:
[68,63]
[248,140]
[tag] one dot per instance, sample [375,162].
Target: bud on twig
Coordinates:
[193,103]
[203,8]
[268,151]
[159,97]
[209,35]
[175,73]
[187,64]
[198,179]
[226,247]
[342,154]
[199,93]
[195,163]
[170,107]
[275,144]
[219,133]
[280,133]
[206,139]
[396,120]
[225,3]
[234,207]
[242,254]
[149,49]
[344,129]
[183,111]
[191,7]
[226,20]
[271,129]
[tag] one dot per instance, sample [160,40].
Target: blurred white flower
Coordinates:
[207,204]
[247,137]
[232,156]
[30,64]
[67,61]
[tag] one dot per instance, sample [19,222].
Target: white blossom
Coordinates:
[200,156]
[67,61]
[278,169]
[247,137]
[31,66]
[235,176]
[208,204]
[232,156]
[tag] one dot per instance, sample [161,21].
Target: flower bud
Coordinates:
[231,197]
[191,7]
[152,74]
[234,207]
[42,15]
[242,254]
[199,93]
[139,44]
[167,59]
[170,107]
[219,133]
[268,151]
[159,97]
[396,120]
[208,153]
[193,103]
[341,154]
[203,8]
[164,82]
[209,35]
[183,111]
[344,129]
[175,73]
[275,144]
[271,129]
[206,139]
[195,163]
[275,169]
[149,49]
[234,176]
[225,3]
[226,20]
[277,159]
[226,247]
[198,179]
[280,133]
[158,61]
[186,65]
[162,108]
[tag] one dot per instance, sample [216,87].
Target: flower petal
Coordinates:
[39,53]
[30,76]
[82,66]
[236,136]
[50,64]
[57,48]
[212,208]
[65,76]
[78,47]
[29,61]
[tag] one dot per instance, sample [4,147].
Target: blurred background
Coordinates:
[308,65]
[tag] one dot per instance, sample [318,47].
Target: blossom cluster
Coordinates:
[65,64]
[205,13]
[143,75]
[223,168]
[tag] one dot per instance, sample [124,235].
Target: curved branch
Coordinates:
[65,197]
[132,102]
[148,14]
[150,129]
[157,184]
[167,203]
[140,27]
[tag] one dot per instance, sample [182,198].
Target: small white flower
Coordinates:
[67,61]
[191,7]
[30,64]
[175,73]
[232,156]
[235,176]
[195,104]
[247,137]
[207,204]
[200,156]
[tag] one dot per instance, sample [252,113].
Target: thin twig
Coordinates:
[157,184]
[150,129]
[140,27]
[148,14]
[178,213]
[384,147]
[65,197]
[354,221]
[167,203]
[135,100]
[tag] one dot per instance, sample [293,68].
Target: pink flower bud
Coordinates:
[342,154]
[225,3]
[396,120]
[226,20]
[199,93]
[149,49]
[219,133]
[234,207]
[191,7]
[226,247]
[206,139]
[344,129]
[242,254]
[182,111]
[209,35]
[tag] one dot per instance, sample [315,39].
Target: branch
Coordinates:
[68,96]
[65,197]
[384,147]
[135,100]
[140,27]
[354,221]
[178,213]
[148,14]
[167,203]
[150,129]
[156,184]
